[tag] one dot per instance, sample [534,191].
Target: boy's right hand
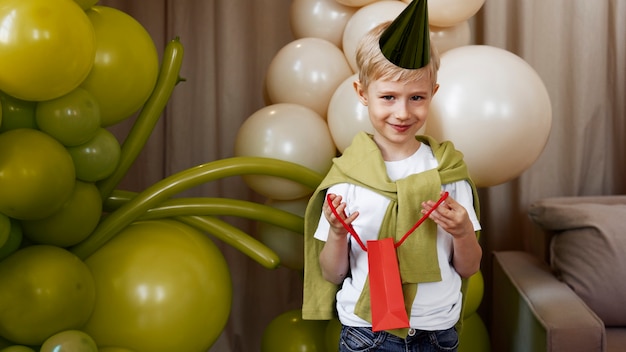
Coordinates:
[336,225]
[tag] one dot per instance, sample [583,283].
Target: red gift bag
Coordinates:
[386,297]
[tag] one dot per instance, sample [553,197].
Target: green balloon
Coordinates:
[290,333]
[13,241]
[96,159]
[16,113]
[474,336]
[17,348]
[72,119]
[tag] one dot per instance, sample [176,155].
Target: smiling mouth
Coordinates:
[401,128]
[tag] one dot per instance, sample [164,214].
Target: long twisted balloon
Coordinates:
[149,115]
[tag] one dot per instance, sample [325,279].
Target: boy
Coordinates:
[379,183]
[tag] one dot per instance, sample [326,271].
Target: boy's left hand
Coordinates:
[451,216]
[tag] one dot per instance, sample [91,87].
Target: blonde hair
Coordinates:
[373,65]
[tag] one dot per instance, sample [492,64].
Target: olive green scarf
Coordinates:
[362,164]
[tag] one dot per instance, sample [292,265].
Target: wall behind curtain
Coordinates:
[576,46]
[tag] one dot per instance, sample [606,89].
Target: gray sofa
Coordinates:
[573,298]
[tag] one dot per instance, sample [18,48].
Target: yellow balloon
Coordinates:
[325,19]
[289,332]
[474,337]
[69,341]
[306,72]
[37,174]
[162,286]
[475,292]
[47,48]
[126,65]
[76,219]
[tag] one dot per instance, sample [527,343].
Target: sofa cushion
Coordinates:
[588,252]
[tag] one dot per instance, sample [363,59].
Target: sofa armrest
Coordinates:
[534,311]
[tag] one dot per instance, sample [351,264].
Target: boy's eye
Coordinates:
[387,97]
[417,97]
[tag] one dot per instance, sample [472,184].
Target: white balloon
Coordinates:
[496,110]
[288,132]
[347,116]
[447,13]
[325,19]
[355,3]
[306,72]
[366,18]
[446,38]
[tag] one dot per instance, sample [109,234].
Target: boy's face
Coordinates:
[397,110]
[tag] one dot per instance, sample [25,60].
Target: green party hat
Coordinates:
[406,42]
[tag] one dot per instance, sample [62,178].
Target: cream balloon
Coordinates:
[446,38]
[365,19]
[495,108]
[288,132]
[325,19]
[306,72]
[347,116]
[287,244]
[447,13]
[355,3]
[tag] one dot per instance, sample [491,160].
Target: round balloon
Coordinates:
[287,244]
[76,219]
[496,110]
[306,72]
[72,119]
[97,158]
[13,242]
[475,293]
[474,336]
[47,48]
[162,286]
[126,65]
[333,335]
[45,290]
[37,174]
[69,341]
[355,3]
[447,13]
[17,348]
[446,38]
[366,18]
[347,116]
[325,19]
[288,132]
[289,332]
[17,113]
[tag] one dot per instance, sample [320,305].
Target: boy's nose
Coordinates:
[401,112]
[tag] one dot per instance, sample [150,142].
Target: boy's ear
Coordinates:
[358,88]
[435,88]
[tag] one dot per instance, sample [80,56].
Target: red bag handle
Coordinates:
[351,230]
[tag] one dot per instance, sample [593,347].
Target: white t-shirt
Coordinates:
[437,305]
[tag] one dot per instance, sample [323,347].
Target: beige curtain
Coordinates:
[578,47]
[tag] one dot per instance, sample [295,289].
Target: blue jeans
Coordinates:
[359,339]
